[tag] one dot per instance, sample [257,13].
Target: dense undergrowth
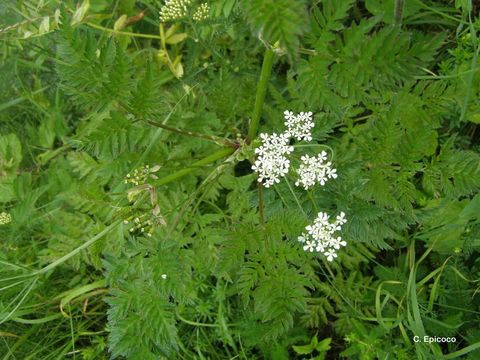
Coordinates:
[132,223]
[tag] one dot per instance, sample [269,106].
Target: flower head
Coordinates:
[5,218]
[201,13]
[321,237]
[314,170]
[299,126]
[272,163]
[179,9]
[175,10]
[141,175]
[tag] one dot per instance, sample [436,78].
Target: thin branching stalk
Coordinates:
[205,161]
[118,32]
[78,249]
[295,197]
[215,139]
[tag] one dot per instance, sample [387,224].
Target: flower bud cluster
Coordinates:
[175,10]
[315,169]
[320,236]
[143,226]
[179,9]
[201,13]
[141,175]
[5,218]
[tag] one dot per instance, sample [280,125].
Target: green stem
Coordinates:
[260,204]
[111,31]
[65,257]
[398,12]
[77,250]
[295,197]
[434,10]
[470,77]
[261,92]
[207,160]
[194,323]
[215,139]
[317,145]
[310,196]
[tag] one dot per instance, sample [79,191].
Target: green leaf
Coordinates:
[303,349]
[10,154]
[282,21]
[386,9]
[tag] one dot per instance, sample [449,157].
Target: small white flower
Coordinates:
[338,243]
[310,246]
[341,218]
[331,173]
[321,235]
[299,126]
[164,276]
[302,238]
[330,255]
[314,170]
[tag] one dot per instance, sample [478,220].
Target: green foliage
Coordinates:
[188,258]
[278,21]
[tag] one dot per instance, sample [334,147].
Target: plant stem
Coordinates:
[215,139]
[111,31]
[260,203]
[398,12]
[314,203]
[207,160]
[77,250]
[261,92]
[295,197]
[194,323]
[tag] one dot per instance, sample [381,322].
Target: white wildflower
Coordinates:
[320,235]
[164,276]
[310,246]
[299,126]
[5,218]
[272,163]
[314,170]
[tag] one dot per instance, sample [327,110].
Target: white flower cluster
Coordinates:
[201,13]
[299,126]
[174,10]
[321,237]
[315,169]
[272,163]
[5,218]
